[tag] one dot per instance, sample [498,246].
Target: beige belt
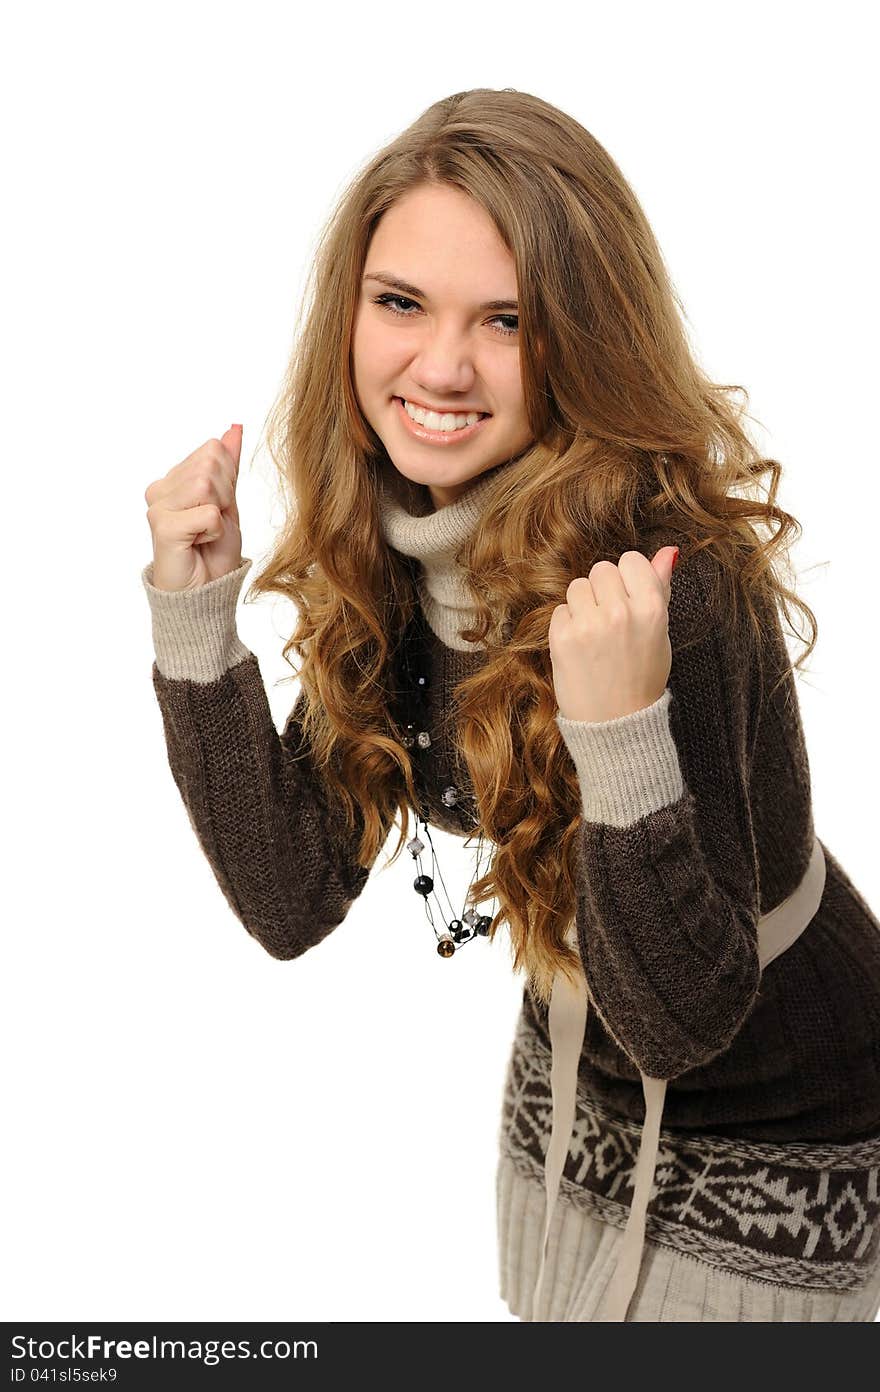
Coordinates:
[777,930]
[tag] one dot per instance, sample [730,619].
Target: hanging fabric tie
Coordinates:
[567,1017]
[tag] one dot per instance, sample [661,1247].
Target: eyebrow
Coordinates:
[406,289]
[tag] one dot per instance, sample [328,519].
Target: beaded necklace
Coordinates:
[414,677]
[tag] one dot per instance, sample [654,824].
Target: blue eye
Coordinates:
[384,302]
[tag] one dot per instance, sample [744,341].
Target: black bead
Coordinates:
[484,923]
[423,884]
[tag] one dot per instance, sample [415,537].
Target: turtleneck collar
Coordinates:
[433,537]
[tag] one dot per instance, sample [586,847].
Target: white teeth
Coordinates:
[448,421]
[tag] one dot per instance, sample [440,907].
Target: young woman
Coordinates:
[497,443]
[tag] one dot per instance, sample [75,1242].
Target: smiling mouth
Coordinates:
[430,435]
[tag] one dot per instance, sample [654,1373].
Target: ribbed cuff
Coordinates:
[627,767]
[194,631]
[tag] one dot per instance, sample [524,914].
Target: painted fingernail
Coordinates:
[675,559]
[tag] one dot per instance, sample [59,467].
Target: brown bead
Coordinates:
[445,946]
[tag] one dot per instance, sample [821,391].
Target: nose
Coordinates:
[444,364]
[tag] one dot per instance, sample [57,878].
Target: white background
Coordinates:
[198,1131]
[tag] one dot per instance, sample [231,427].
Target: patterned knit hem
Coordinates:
[803,1214]
[672,1286]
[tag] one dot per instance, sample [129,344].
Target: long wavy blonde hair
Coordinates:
[630,435]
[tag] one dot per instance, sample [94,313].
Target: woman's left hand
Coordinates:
[609,643]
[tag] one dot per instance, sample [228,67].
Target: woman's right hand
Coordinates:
[193,516]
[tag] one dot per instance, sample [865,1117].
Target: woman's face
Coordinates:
[439,345]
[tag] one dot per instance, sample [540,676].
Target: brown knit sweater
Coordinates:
[697,818]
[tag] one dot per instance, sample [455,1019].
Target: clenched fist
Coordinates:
[193,516]
[609,643]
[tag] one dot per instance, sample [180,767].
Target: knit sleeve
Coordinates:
[668,897]
[276,840]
